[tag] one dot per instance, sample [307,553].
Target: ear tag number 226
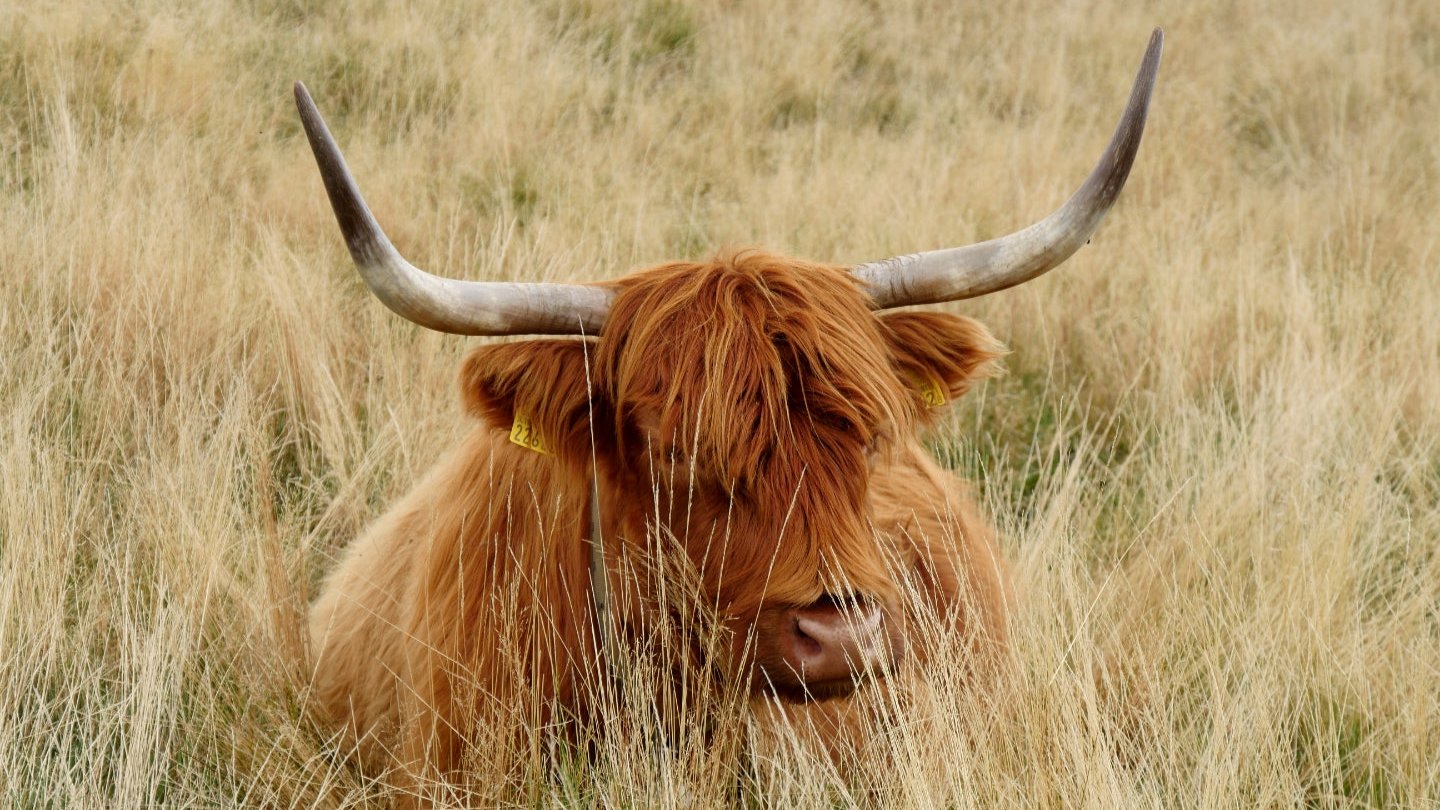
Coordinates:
[524,434]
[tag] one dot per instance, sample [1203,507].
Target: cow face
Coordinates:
[738,410]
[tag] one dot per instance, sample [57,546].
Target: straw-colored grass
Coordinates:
[1215,459]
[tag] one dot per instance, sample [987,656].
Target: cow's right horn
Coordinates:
[950,274]
[442,304]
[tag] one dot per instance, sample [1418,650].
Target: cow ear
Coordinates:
[533,390]
[940,356]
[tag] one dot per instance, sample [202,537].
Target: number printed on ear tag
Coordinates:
[932,393]
[523,433]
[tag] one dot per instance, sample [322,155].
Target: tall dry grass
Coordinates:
[1215,459]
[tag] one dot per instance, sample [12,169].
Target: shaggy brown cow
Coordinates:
[755,412]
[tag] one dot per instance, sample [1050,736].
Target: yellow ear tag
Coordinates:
[523,434]
[932,393]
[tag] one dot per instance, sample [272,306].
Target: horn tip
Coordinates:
[302,95]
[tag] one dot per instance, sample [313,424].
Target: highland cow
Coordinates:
[755,416]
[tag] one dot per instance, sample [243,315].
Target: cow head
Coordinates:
[738,408]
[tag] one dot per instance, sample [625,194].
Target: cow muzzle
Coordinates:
[825,650]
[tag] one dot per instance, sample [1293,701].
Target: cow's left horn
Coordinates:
[442,304]
[974,270]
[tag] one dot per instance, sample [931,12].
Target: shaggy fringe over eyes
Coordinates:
[786,338]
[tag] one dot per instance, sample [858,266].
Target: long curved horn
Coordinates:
[974,270]
[442,304]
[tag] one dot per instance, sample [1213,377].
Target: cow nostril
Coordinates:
[826,648]
[806,645]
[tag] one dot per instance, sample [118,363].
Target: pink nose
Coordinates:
[829,644]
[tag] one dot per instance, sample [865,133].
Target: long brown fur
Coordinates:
[751,410]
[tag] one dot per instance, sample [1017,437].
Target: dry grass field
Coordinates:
[1214,459]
